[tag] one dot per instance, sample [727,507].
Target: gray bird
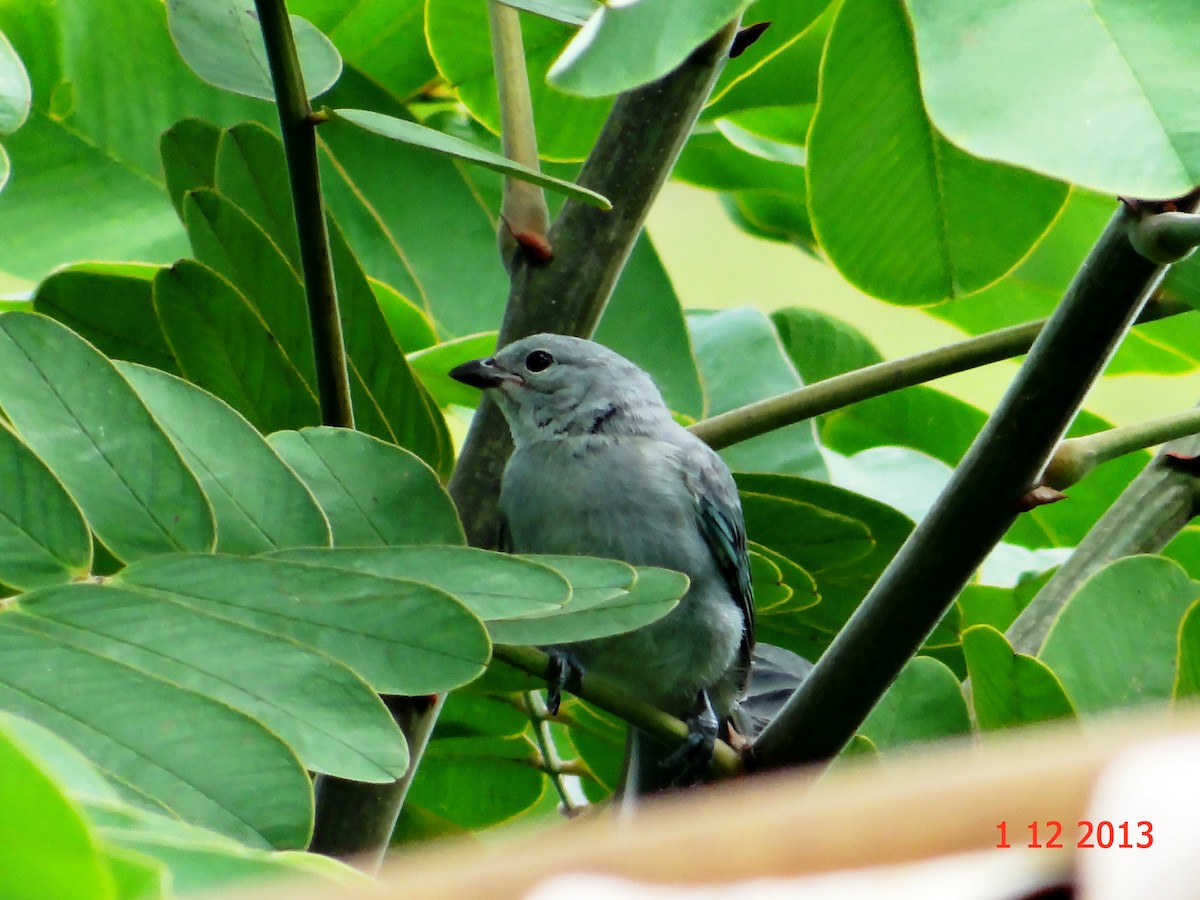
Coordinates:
[601,469]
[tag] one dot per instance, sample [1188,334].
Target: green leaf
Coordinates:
[326,713]
[16,94]
[383,39]
[596,608]
[189,158]
[623,46]
[495,586]
[924,703]
[1187,669]
[430,139]
[401,636]
[458,36]
[387,220]
[1094,93]
[90,183]
[780,67]
[374,494]
[202,861]
[904,214]
[260,504]
[434,364]
[572,12]
[409,324]
[643,321]
[1034,288]
[46,846]
[453,769]
[72,407]
[228,241]
[43,536]
[222,42]
[389,402]
[840,539]
[1114,643]
[250,170]
[110,305]
[723,342]
[224,346]
[167,742]
[1009,689]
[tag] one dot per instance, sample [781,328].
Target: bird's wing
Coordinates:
[720,516]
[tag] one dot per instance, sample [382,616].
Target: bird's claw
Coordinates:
[563,672]
[694,756]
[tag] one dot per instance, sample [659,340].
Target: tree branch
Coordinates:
[355,820]
[975,509]
[1148,514]
[635,712]
[300,147]
[882,378]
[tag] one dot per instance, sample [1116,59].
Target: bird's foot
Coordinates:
[694,756]
[564,673]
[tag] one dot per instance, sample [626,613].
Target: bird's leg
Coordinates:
[564,673]
[695,754]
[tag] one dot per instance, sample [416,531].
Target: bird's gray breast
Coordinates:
[617,498]
[627,499]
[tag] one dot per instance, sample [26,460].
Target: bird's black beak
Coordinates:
[480,373]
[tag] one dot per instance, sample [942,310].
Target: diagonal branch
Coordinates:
[976,507]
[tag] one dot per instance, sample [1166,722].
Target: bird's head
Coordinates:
[550,386]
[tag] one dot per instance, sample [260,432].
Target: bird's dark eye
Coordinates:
[538,361]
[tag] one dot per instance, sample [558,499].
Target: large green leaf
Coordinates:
[40,824]
[76,411]
[389,402]
[223,345]
[1009,688]
[780,68]
[374,494]
[229,242]
[643,320]
[1187,668]
[383,39]
[1114,643]
[839,539]
[16,93]
[329,716]
[250,170]
[904,214]
[259,503]
[924,703]
[222,41]
[403,637]
[459,42]
[89,182]
[600,606]
[43,536]
[723,342]
[1099,93]
[1034,288]
[402,228]
[495,586]
[111,305]
[189,158]
[164,741]
[623,46]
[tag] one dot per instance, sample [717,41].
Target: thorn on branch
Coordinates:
[745,37]
[1039,496]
